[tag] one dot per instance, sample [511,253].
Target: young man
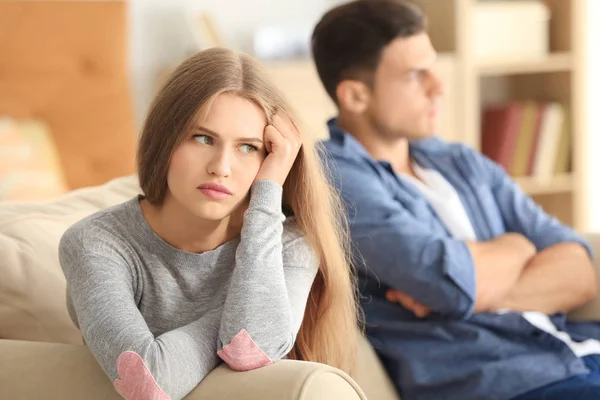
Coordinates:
[464,280]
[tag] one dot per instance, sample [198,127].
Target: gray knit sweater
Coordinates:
[159,319]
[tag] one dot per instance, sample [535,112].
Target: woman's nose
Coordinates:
[220,164]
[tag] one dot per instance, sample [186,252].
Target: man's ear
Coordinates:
[353,96]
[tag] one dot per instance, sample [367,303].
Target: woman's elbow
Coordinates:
[243,354]
[135,378]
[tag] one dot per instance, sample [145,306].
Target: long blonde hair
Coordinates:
[330,320]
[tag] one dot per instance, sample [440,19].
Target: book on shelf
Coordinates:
[528,138]
[563,157]
[537,134]
[526,134]
[500,126]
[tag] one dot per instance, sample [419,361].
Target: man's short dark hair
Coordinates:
[348,41]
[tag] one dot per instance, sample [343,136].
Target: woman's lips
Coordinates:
[215,191]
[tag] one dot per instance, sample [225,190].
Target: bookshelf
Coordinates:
[560,61]
[473,84]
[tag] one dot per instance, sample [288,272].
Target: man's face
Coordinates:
[404,99]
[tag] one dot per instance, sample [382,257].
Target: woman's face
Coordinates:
[211,171]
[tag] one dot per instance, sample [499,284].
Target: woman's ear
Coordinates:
[353,96]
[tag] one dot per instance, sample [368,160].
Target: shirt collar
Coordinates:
[347,143]
[352,147]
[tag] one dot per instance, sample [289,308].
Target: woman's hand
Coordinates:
[283,142]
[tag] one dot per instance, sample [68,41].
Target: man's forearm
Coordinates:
[498,265]
[558,279]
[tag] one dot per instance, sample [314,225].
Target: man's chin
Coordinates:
[421,136]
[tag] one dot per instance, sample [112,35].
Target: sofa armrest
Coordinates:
[590,311]
[35,370]
[285,379]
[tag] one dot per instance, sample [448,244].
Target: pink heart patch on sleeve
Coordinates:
[242,354]
[135,381]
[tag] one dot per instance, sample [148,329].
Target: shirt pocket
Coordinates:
[422,211]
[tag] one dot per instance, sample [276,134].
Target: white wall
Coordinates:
[593,115]
[160,36]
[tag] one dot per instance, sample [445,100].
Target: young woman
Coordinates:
[235,251]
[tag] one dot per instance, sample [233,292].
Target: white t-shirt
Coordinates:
[444,199]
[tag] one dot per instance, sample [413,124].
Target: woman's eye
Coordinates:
[203,139]
[248,148]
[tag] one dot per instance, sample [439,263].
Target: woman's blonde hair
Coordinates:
[327,334]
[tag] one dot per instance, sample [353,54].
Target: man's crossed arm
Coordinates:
[511,275]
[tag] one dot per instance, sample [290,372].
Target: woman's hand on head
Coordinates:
[283,142]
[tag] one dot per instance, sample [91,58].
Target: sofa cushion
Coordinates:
[32,288]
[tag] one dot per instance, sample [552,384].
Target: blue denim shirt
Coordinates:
[401,243]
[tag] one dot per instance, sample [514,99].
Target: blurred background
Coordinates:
[77,78]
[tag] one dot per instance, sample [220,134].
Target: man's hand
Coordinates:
[395,296]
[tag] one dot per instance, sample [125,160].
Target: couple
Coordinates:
[236,251]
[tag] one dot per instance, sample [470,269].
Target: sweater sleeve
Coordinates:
[100,293]
[269,287]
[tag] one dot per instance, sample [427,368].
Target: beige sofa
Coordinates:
[41,354]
